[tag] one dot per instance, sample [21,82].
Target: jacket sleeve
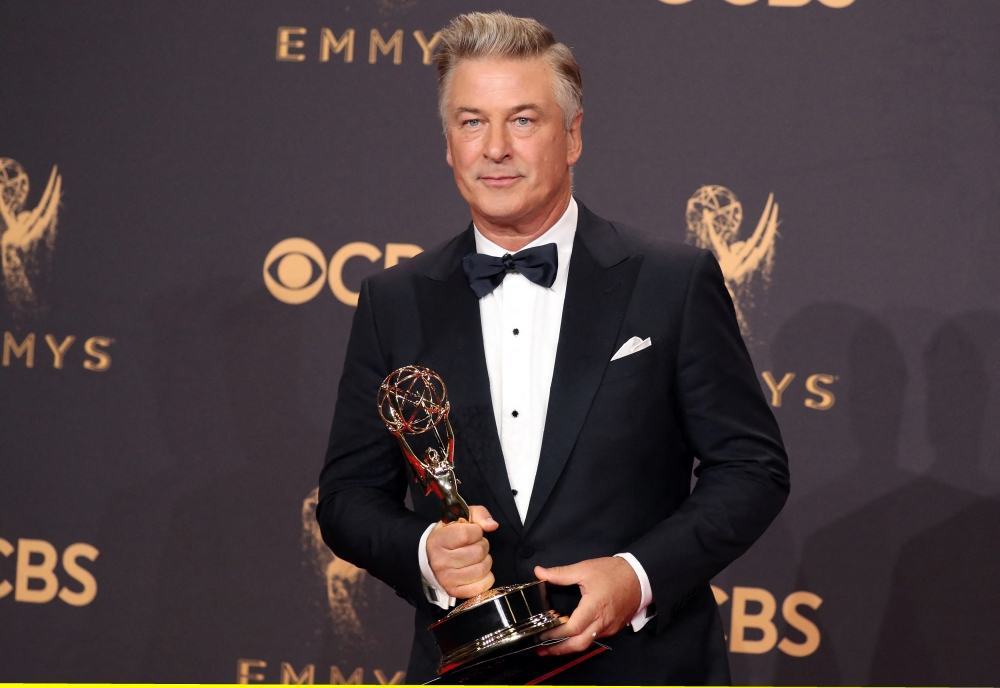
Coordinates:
[364,479]
[742,476]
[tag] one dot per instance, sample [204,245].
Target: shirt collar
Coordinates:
[561,234]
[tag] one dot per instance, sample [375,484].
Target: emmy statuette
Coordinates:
[413,401]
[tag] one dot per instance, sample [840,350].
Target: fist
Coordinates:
[459,554]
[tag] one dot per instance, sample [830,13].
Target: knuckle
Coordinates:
[475,554]
[468,534]
[471,556]
[459,531]
[450,559]
[479,571]
[470,589]
[465,576]
[455,559]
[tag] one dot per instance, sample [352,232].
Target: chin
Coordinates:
[500,207]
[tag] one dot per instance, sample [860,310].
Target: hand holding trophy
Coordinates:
[413,401]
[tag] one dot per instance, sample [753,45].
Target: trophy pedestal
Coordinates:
[491,639]
[498,619]
[517,666]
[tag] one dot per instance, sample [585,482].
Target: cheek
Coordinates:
[535,153]
[553,152]
[463,157]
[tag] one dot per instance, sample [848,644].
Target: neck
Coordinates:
[513,235]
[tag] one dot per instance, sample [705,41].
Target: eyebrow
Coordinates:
[518,108]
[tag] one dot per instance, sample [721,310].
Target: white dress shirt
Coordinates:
[521,322]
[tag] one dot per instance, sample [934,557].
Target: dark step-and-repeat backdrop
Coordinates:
[192,193]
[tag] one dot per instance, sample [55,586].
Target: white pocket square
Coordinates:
[631,346]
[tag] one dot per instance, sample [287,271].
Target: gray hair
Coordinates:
[497,35]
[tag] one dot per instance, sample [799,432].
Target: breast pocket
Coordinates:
[633,364]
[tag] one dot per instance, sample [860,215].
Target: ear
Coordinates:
[447,155]
[574,136]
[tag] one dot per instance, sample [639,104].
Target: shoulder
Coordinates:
[611,241]
[665,265]
[657,249]
[436,263]
[669,270]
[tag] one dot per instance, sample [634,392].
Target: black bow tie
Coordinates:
[485,273]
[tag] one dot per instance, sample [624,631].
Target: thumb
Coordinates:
[560,575]
[481,517]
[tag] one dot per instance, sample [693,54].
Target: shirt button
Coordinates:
[514,492]
[514,413]
[527,552]
[516,331]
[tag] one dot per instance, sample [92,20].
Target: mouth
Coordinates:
[499,181]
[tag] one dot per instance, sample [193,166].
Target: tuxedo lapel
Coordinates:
[453,336]
[601,277]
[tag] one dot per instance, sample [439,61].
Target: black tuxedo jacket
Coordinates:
[620,441]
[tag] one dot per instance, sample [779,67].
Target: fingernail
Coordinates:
[491,522]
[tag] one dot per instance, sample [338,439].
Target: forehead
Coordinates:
[498,82]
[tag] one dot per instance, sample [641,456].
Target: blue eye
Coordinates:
[523,121]
[473,122]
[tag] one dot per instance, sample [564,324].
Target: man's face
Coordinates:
[507,142]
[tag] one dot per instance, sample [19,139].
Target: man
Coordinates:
[587,365]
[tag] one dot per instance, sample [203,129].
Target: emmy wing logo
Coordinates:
[26,236]
[714,216]
[343,579]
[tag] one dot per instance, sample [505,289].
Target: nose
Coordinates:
[498,148]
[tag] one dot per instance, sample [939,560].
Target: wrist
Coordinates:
[644,611]
[433,590]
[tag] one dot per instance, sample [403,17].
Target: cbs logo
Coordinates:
[835,4]
[295,270]
[755,608]
[35,578]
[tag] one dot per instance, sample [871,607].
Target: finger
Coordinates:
[464,592]
[456,535]
[481,517]
[561,575]
[585,614]
[466,575]
[577,643]
[460,558]
[551,633]
[444,562]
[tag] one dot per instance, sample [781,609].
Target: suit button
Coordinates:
[527,552]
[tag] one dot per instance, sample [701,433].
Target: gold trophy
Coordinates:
[413,401]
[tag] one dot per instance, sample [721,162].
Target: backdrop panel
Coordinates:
[192,193]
